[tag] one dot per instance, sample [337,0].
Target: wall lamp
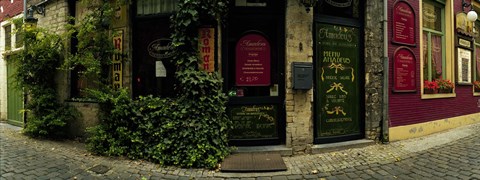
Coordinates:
[30,12]
[471,15]
[308,4]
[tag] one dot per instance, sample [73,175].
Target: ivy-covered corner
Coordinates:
[38,62]
[189,130]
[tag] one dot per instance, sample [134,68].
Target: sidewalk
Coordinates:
[25,158]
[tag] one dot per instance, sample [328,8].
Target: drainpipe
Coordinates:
[24,9]
[385,119]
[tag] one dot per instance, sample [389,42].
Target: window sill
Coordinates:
[476,93]
[438,96]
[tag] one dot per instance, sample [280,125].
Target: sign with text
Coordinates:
[338,57]
[117,59]
[253,121]
[404,69]
[464,66]
[252,61]
[206,48]
[403,23]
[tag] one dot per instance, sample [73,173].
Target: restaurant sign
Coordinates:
[338,56]
[404,69]
[252,61]
[117,59]
[206,48]
[403,23]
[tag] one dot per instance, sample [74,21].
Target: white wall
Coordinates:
[3,69]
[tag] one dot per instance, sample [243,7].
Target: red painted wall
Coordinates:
[409,108]
[10,9]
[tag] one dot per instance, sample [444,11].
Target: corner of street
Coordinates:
[452,154]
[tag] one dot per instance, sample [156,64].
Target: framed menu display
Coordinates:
[404,69]
[403,24]
[464,66]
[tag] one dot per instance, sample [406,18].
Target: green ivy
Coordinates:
[189,130]
[38,63]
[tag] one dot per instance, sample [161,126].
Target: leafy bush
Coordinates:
[183,132]
[37,66]
[189,130]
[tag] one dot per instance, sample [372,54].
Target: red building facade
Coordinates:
[439,50]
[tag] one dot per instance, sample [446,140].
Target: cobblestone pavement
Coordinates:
[454,154]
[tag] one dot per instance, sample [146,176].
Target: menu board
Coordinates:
[338,56]
[404,68]
[464,66]
[403,23]
[253,121]
[252,60]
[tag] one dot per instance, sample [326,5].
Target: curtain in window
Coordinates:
[425,56]
[477,53]
[436,57]
[150,7]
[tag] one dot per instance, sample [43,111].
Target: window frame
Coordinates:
[448,39]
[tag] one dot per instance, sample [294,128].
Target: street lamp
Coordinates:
[471,15]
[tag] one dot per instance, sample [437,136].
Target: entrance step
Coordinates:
[280,149]
[323,148]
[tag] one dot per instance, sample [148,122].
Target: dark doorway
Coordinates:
[339,69]
[253,68]
[153,71]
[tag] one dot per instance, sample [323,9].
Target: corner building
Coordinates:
[299,76]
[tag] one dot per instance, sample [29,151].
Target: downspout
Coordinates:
[385,120]
[24,9]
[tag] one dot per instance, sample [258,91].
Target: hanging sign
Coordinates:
[403,23]
[252,61]
[206,48]
[117,59]
[160,48]
[404,69]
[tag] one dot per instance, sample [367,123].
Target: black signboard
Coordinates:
[337,73]
[253,121]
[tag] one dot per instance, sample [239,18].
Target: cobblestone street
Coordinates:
[449,155]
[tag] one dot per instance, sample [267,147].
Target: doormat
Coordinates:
[253,162]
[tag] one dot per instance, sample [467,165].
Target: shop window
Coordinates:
[436,47]
[8,37]
[18,36]
[152,7]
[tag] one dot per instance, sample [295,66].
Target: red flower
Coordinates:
[430,85]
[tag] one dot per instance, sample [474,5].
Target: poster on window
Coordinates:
[252,61]
[464,66]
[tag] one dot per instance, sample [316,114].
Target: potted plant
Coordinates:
[476,86]
[430,87]
[445,85]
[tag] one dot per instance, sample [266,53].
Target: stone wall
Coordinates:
[299,107]
[299,48]
[373,68]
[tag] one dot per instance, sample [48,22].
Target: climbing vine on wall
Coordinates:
[189,130]
[38,62]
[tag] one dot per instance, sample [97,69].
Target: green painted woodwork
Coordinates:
[337,63]
[14,98]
